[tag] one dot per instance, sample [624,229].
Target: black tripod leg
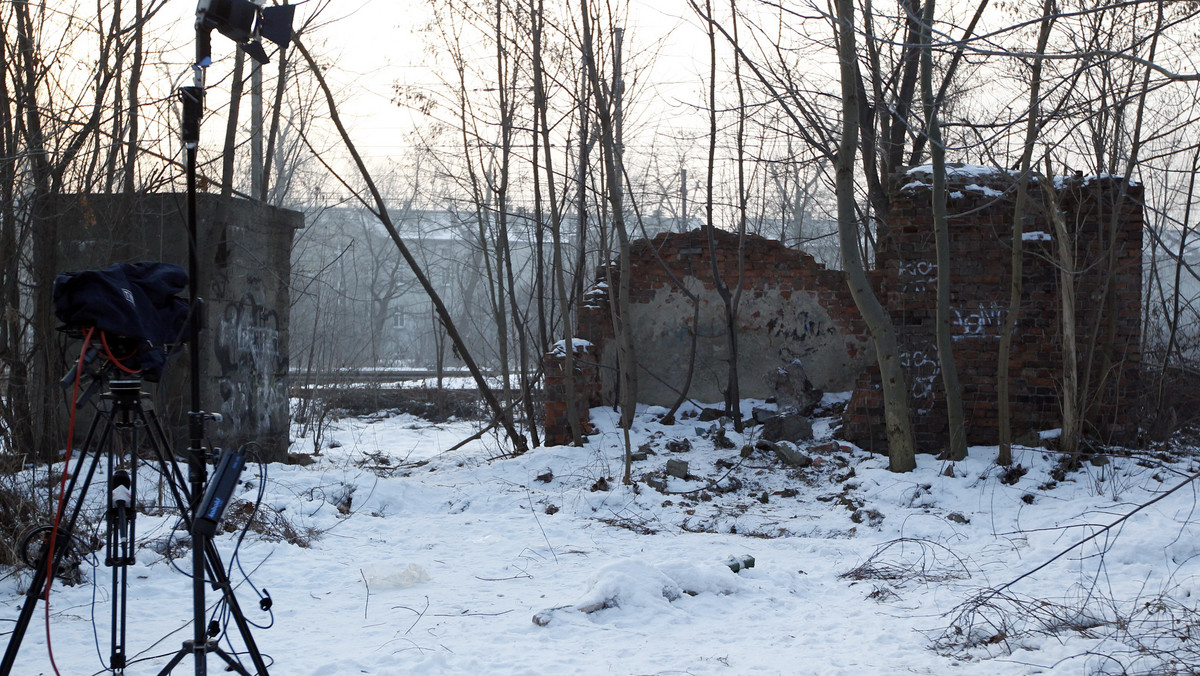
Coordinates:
[31,597]
[215,570]
[166,463]
[162,444]
[221,582]
[122,515]
[96,449]
[187,650]
[120,584]
[233,664]
[40,581]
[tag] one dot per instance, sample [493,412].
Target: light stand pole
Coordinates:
[242,21]
[193,110]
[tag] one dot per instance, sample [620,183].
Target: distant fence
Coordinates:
[372,375]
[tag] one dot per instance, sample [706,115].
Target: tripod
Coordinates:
[115,435]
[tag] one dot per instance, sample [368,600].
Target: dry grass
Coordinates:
[910,559]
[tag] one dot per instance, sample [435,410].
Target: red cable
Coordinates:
[113,358]
[62,489]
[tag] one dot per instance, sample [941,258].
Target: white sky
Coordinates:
[378,44]
[368,46]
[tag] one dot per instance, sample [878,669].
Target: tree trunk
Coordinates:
[273,134]
[228,155]
[901,453]
[135,83]
[1071,419]
[561,291]
[1009,326]
[945,341]
[728,299]
[610,134]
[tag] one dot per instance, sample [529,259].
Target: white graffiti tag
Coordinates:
[917,276]
[983,321]
[923,371]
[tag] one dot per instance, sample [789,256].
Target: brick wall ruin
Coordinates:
[795,309]
[791,309]
[1097,212]
[587,391]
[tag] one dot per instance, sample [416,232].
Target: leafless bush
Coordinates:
[1171,401]
[1000,620]
[17,512]
[1160,635]
[435,405]
[1163,636]
[267,522]
[907,559]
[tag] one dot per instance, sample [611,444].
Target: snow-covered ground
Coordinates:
[421,561]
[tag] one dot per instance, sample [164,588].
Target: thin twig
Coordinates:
[1093,536]
[366,584]
[545,537]
[419,616]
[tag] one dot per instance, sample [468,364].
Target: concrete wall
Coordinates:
[244,255]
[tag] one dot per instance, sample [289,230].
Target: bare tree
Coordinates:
[518,441]
[937,150]
[541,125]
[1033,127]
[895,395]
[729,299]
[607,97]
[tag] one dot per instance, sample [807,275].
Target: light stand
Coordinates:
[243,22]
[193,110]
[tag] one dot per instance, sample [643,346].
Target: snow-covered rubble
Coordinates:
[420,561]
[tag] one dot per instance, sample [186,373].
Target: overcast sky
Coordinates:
[378,43]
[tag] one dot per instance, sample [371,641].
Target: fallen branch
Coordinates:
[1093,536]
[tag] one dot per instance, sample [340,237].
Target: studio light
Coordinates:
[245,23]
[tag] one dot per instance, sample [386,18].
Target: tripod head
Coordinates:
[106,360]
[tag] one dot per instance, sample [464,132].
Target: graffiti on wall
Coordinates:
[923,371]
[918,276]
[982,321]
[247,347]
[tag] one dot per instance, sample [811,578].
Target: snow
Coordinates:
[423,561]
[957,170]
[961,171]
[1061,182]
[990,192]
[559,349]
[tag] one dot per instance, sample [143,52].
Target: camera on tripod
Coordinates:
[131,316]
[134,304]
[130,320]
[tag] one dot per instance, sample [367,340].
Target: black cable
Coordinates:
[136,660]
[264,599]
[221,611]
[93,560]
[95,626]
